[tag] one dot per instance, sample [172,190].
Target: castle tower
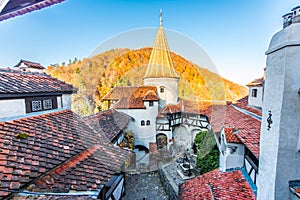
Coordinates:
[280,135]
[160,71]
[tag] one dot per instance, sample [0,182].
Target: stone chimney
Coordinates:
[296,15]
[292,17]
[287,19]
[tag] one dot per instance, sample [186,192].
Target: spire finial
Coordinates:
[160,17]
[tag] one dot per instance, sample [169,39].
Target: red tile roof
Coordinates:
[19,7]
[256,82]
[231,136]
[86,171]
[132,97]
[15,82]
[217,185]
[30,64]
[227,116]
[187,106]
[243,103]
[51,145]
[110,123]
[249,128]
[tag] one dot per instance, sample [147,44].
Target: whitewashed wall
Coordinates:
[12,108]
[143,134]
[256,101]
[170,94]
[66,101]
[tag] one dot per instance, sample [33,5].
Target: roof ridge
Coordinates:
[76,159]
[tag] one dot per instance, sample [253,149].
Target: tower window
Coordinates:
[142,123]
[148,123]
[150,103]
[254,93]
[162,89]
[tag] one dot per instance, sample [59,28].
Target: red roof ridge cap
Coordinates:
[77,158]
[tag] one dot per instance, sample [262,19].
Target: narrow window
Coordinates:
[148,123]
[150,103]
[47,104]
[254,92]
[142,123]
[36,105]
[162,89]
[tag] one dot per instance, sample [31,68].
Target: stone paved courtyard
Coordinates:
[146,186]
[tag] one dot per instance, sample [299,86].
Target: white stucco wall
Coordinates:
[170,94]
[12,108]
[228,159]
[66,101]
[255,101]
[27,69]
[143,134]
[279,158]
[59,101]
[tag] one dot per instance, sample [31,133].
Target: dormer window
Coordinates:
[162,89]
[254,93]
[36,105]
[150,103]
[47,103]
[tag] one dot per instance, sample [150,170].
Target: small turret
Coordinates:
[287,19]
[292,17]
[296,14]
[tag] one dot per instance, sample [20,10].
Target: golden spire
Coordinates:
[160,64]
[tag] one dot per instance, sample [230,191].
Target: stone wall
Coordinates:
[167,186]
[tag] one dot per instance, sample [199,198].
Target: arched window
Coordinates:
[162,89]
[142,123]
[148,123]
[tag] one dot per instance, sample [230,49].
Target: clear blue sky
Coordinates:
[234,33]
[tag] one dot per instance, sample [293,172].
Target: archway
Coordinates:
[141,148]
[161,141]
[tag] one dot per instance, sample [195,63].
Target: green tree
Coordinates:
[208,153]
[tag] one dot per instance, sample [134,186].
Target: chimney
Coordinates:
[287,19]
[296,15]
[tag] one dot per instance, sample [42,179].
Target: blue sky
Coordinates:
[234,33]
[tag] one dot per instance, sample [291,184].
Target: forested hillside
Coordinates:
[95,76]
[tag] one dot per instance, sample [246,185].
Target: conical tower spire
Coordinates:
[160,64]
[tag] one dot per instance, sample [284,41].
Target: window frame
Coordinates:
[151,103]
[148,123]
[34,107]
[47,107]
[254,92]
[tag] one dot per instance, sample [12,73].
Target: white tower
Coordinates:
[160,71]
[279,143]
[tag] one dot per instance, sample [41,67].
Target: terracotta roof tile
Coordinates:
[30,64]
[132,97]
[243,103]
[217,185]
[110,123]
[15,82]
[231,136]
[58,143]
[227,116]
[256,82]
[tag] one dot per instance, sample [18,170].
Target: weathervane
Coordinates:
[160,17]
